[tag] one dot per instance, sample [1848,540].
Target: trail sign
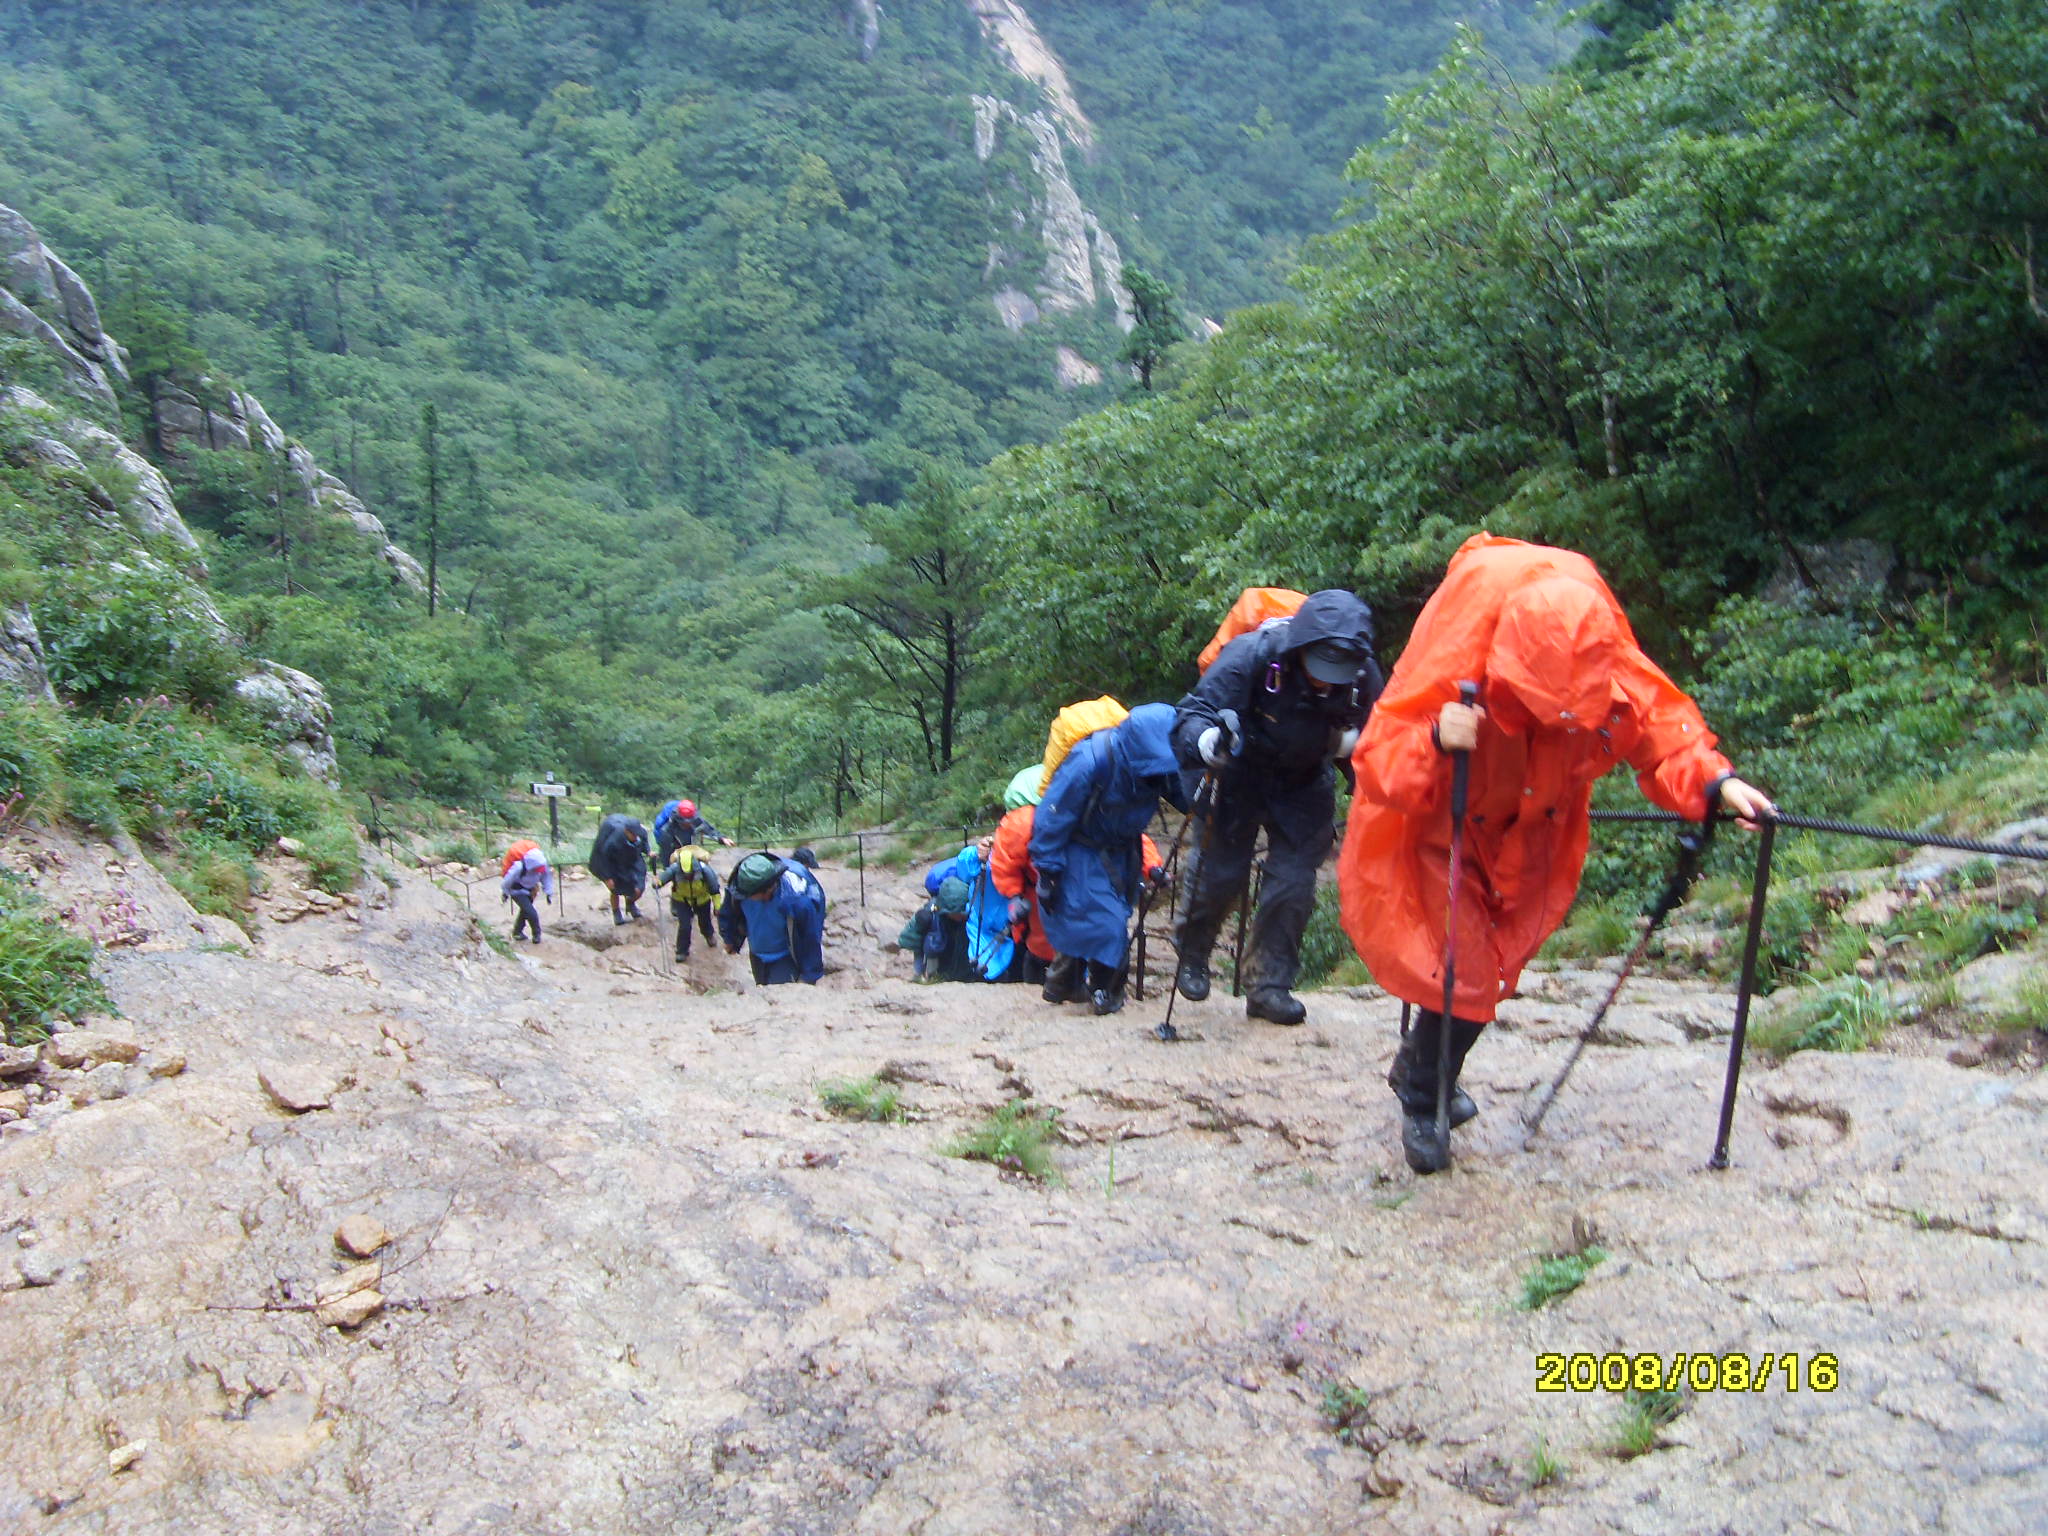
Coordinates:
[554,794]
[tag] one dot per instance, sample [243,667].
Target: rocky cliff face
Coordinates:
[43,301]
[1083,266]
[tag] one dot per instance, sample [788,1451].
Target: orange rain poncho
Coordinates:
[1568,695]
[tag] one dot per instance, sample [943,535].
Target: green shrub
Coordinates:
[1952,937]
[1847,1014]
[113,634]
[216,877]
[1325,946]
[1013,1139]
[862,1098]
[32,737]
[45,969]
[1559,1275]
[1594,928]
[157,770]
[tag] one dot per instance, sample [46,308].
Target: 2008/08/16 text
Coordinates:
[1702,1372]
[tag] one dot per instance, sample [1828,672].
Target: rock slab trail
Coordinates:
[425,1239]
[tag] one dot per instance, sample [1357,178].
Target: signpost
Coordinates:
[554,794]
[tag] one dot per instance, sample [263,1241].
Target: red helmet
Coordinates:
[686,807]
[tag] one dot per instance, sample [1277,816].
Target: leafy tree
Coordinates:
[1158,324]
[913,615]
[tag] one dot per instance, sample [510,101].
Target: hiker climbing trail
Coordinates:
[641,1280]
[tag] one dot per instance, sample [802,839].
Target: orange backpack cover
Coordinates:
[514,854]
[1254,606]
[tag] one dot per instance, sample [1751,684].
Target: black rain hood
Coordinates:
[1331,615]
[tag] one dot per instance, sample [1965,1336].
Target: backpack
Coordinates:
[1073,723]
[1255,608]
[515,853]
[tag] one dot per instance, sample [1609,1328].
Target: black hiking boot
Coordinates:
[1462,1107]
[1193,980]
[1427,1153]
[1276,1005]
[1063,981]
[1105,988]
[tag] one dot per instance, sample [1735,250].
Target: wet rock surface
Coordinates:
[637,1280]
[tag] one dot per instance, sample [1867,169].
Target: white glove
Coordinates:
[1210,745]
[1346,740]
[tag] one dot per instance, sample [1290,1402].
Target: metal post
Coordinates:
[1759,892]
[554,822]
[860,862]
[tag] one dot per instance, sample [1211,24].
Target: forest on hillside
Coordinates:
[698,296]
[668,327]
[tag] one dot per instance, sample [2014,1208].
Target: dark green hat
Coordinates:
[756,873]
[951,900]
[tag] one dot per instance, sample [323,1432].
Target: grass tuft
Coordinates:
[1594,929]
[1013,1139]
[1545,1470]
[1846,1014]
[1559,1275]
[45,969]
[861,1098]
[1643,1418]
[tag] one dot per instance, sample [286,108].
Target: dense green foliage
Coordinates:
[687,285]
[1226,123]
[1772,284]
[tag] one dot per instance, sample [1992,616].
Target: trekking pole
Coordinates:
[1692,849]
[1758,893]
[1461,782]
[1137,979]
[1207,788]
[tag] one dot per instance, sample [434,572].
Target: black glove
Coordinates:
[1157,875]
[1048,892]
[1020,909]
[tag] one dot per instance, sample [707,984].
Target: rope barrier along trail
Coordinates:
[1760,894]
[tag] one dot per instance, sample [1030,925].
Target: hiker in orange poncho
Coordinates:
[1565,695]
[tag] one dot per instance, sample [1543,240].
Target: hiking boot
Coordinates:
[1426,1153]
[1193,980]
[1106,999]
[1062,981]
[1275,1005]
[619,919]
[1461,1106]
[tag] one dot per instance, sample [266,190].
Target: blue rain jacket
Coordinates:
[990,944]
[789,923]
[1086,832]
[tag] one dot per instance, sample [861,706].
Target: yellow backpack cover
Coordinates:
[1073,723]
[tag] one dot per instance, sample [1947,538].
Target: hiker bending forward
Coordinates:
[1565,695]
[1086,843]
[1261,728]
[776,908]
